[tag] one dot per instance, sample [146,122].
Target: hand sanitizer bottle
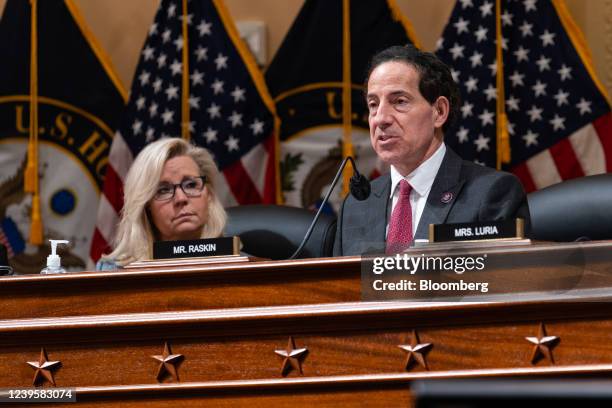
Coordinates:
[54,264]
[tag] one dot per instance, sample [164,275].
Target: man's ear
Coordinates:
[441,108]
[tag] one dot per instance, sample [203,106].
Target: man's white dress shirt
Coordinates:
[421,179]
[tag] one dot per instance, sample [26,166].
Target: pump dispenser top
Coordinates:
[53,261]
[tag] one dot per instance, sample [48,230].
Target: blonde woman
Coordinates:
[169,194]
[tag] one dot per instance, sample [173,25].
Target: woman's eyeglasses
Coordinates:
[192,187]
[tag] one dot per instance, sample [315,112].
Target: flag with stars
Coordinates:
[231,113]
[559,120]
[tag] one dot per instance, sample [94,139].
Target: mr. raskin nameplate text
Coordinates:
[196,248]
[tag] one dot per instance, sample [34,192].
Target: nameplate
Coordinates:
[196,248]
[477,231]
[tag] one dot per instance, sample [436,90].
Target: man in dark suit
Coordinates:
[412,100]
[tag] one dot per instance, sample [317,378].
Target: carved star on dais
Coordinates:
[292,357]
[543,345]
[416,351]
[44,368]
[168,363]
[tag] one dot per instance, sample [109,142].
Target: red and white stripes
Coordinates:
[587,151]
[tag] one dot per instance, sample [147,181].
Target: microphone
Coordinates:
[5,269]
[359,187]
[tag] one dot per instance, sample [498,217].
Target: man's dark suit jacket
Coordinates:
[477,194]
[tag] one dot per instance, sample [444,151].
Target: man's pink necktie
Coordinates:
[400,236]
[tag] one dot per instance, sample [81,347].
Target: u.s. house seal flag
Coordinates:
[316,79]
[59,104]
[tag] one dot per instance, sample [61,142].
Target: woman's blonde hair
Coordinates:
[136,233]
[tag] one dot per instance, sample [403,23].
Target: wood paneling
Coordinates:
[227,321]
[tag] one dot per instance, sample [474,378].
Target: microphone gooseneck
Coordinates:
[359,187]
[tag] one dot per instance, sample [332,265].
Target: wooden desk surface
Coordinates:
[275,283]
[232,324]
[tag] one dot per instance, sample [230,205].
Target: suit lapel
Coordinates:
[377,213]
[443,194]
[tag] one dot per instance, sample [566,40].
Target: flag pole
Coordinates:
[31,171]
[347,145]
[503,138]
[185,79]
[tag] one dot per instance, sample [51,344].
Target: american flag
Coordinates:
[559,120]
[231,112]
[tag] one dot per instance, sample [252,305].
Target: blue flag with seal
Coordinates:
[316,79]
[59,104]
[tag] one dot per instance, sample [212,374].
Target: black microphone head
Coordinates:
[360,187]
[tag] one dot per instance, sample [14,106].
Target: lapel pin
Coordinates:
[446,197]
